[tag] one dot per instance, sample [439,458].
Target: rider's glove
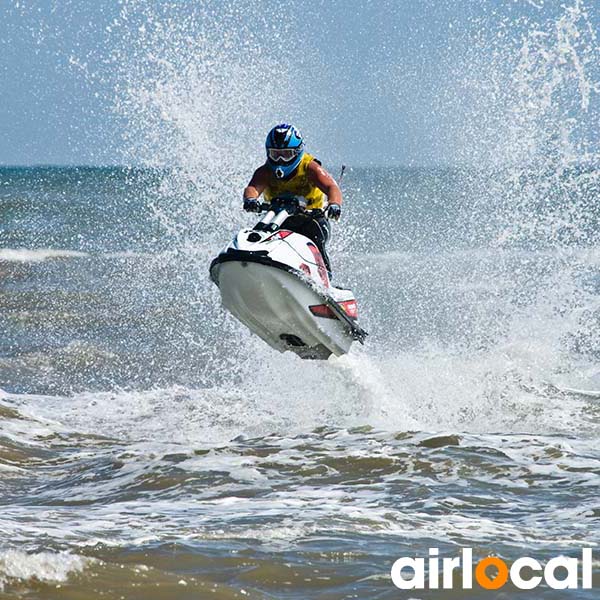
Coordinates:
[251,205]
[334,211]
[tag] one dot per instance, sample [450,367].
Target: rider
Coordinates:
[290,171]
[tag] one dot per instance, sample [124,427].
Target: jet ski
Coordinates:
[275,282]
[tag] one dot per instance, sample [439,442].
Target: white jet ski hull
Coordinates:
[275,304]
[276,282]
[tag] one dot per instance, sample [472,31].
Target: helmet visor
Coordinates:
[283,155]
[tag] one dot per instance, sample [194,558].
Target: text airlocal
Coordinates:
[560,573]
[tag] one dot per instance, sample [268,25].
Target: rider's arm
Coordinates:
[325,182]
[257,184]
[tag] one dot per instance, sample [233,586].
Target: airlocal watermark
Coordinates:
[492,573]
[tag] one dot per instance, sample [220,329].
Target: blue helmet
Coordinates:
[285,149]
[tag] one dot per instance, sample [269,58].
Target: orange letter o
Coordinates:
[481,576]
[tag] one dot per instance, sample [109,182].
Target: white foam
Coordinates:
[35,255]
[48,567]
[24,255]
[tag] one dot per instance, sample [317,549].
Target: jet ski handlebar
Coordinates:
[291,204]
[278,210]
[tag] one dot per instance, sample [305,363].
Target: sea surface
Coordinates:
[151,447]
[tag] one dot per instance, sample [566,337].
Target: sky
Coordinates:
[368,82]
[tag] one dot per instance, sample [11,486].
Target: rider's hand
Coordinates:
[334,211]
[252,205]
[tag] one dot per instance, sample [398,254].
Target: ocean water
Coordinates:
[151,447]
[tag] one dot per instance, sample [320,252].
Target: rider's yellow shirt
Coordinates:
[297,185]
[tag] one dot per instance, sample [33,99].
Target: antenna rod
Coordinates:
[341,175]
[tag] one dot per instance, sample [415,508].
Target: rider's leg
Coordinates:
[323,233]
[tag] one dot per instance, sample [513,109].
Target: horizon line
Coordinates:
[43,165]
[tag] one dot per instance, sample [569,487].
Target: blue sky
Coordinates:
[368,82]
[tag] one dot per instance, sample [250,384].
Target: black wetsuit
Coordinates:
[315,226]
